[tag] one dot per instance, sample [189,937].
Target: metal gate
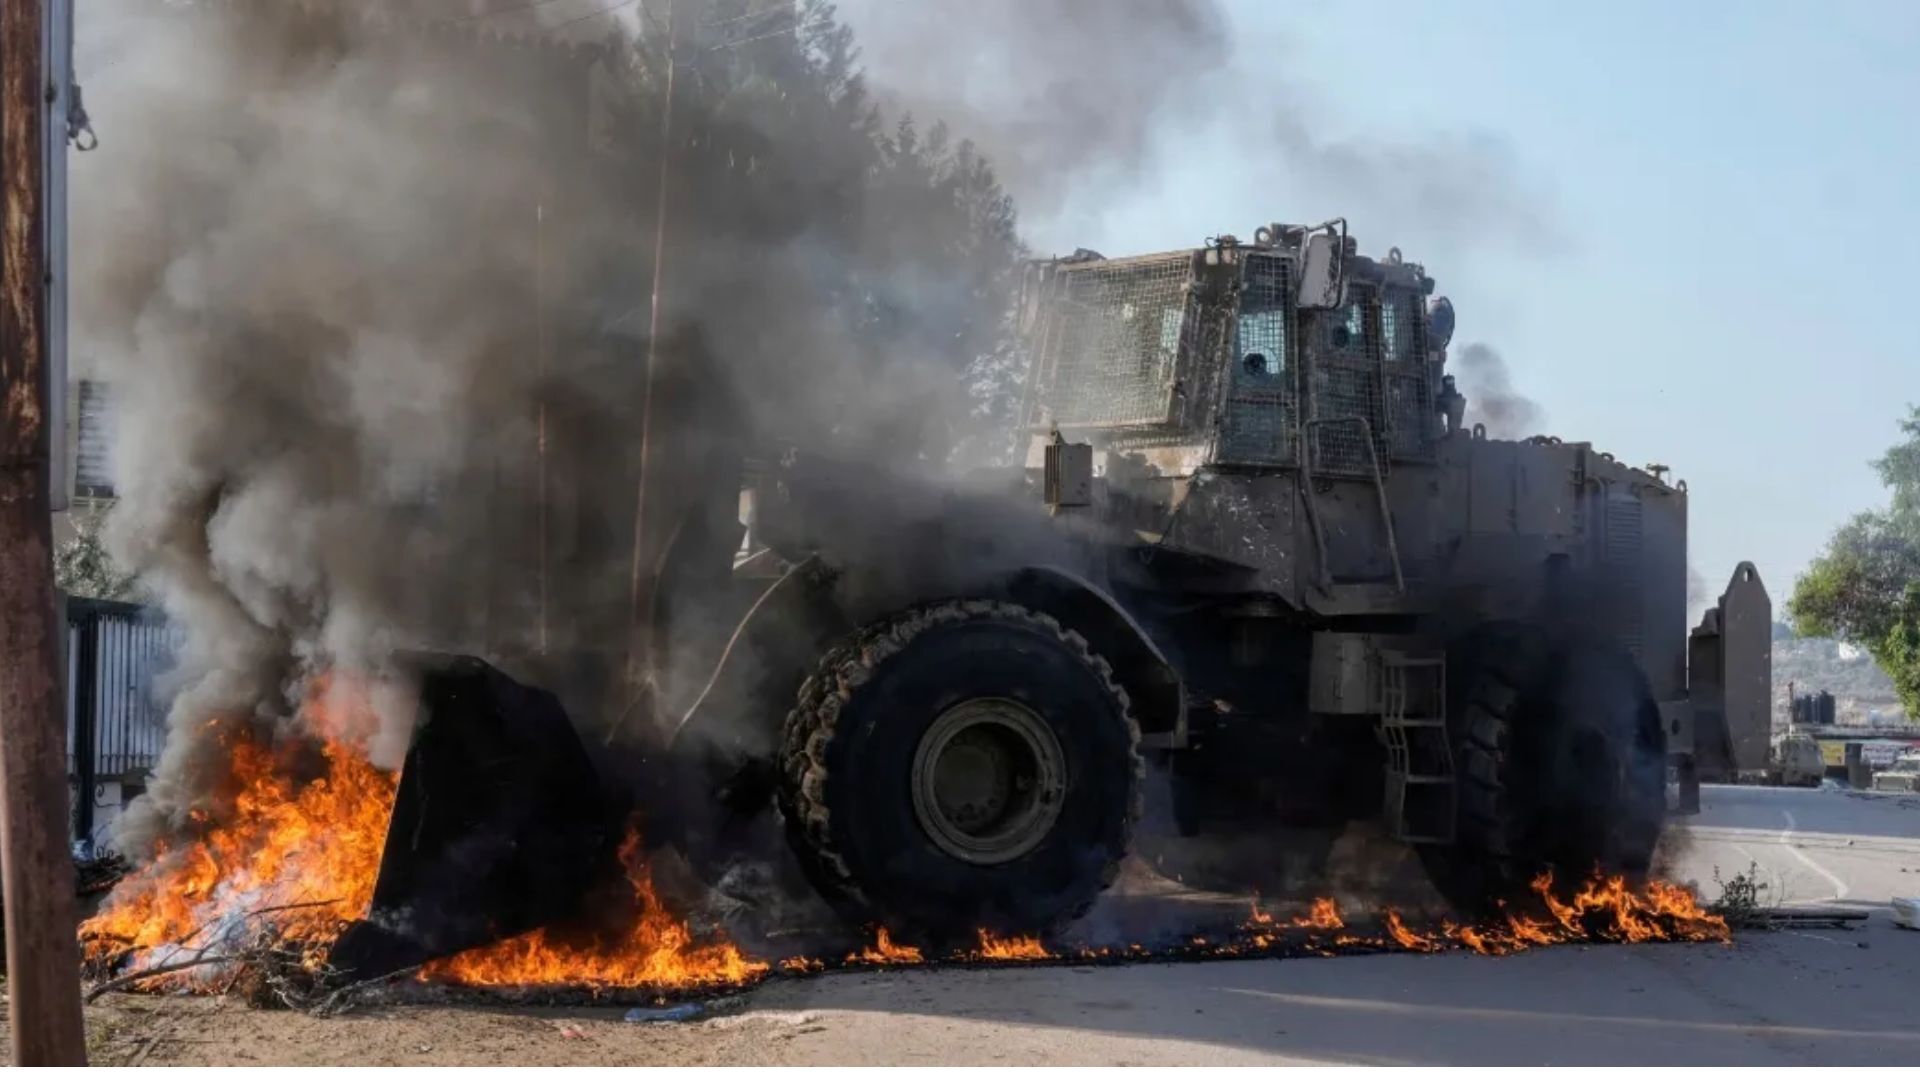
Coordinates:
[116,720]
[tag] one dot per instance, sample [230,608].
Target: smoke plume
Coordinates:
[1491,397]
[375,291]
[374,295]
[1062,95]
[1456,190]
[1089,107]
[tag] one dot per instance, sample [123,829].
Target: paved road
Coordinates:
[1811,847]
[1788,997]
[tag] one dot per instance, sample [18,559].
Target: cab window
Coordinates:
[1260,332]
[1399,325]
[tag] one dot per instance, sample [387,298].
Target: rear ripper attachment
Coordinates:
[500,824]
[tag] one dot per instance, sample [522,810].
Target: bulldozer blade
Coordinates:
[499,826]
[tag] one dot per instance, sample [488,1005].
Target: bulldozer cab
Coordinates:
[1245,355]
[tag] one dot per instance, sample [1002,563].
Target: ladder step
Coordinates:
[1419,806]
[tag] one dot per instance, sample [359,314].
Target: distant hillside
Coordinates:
[1857,684]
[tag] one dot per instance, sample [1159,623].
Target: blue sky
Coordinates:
[1686,227]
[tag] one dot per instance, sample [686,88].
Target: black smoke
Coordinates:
[1491,397]
[376,286]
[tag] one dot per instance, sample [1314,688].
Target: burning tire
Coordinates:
[961,766]
[1560,759]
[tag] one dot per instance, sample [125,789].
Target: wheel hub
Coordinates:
[987,782]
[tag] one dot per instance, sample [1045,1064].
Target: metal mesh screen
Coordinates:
[1262,410]
[1347,386]
[1117,343]
[1410,415]
[1370,362]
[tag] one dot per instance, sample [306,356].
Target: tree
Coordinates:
[1865,587]
[82,567]
[1899,651]
[879,259]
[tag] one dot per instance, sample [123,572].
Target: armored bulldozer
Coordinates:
[1248,553]
[1252,544]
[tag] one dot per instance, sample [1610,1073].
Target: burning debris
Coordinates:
[301,862]
[299,848]
[1016,949]
[296,865]
[883,952]
[652,950]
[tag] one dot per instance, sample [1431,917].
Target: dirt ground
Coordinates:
[136,1030]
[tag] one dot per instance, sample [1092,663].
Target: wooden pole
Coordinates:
[543,360]
[640,611]
[36,868]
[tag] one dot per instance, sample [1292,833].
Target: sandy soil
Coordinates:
[133,1030]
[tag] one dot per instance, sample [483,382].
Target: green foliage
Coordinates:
[82,567]
[1865,587]
[1899,649]
[1852,591]
[1900,470]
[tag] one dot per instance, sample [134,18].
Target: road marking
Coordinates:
[1855,844]
[1839,887]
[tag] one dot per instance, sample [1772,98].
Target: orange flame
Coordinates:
[1608,909]
[1012,949]
[654,950]
[1603,909]
[1485,944]
[297,841]
[1324,915]
[293,832]
[1405,938]
[1528,931]
[884,951]
[311,833]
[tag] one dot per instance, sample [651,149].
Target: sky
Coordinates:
[1683,226]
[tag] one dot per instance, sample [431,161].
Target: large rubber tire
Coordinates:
[848,757]
[1560,759]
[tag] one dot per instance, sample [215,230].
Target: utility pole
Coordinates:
[640,612]
[36,869]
